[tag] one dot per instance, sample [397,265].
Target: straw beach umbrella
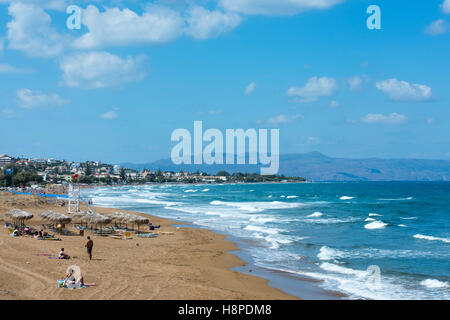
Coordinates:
[79,216]
[134,219]
[55,218]
[18,215]
[117,217]
[95,218]
[127,218]
[141,220]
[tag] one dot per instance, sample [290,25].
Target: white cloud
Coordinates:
[282,119]
[355,82]
[446,6]
[276,7]
[29,99]
[30,31]
[204,24]
[398,90]
[100,69]
[250,88]
[334,104]
[8,113]
[109,115]
[393,118]
[115,27]
[59,5]
[313,89]
[437,27]
[7,68]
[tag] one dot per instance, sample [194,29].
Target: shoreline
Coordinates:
[181,263]
[303,288]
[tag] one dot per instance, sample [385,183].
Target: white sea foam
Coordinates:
[355,284]
[397,199]
[261,219]
[276,241]
[433,284]
[340,269]
[346,198]
[370,219]
[402,225]
[258,206]
[327,253]
[205,190]
[190,190]
[431,238]
[408,218]
[291,197]
[330,220]
[315,214]
[375,225]
[266,230]
[374,215]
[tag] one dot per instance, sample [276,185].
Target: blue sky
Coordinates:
[117,88]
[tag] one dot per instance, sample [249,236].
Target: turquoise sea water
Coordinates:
[332,232]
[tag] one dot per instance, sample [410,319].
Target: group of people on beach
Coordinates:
[73,278]
[89,246]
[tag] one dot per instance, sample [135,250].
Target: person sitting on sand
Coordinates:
[16,233]
[63,255]
[69,279]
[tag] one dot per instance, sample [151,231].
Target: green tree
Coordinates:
[123,174]
[88,170]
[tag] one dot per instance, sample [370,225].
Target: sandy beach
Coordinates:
[181,263]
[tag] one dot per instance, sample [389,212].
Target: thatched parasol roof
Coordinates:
[117,216]
[18,214]
[141,220]
[97,218]
[79,215]
[53,216]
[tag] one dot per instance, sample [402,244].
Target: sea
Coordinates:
[363,240]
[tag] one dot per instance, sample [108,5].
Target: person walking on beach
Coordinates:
[89,245]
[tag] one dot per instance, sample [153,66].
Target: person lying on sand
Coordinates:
[73,279]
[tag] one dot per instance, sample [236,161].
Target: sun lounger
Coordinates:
[147,235]
[116,236]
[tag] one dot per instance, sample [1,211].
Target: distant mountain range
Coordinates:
[315,166]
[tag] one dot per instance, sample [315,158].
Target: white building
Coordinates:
[5,159]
